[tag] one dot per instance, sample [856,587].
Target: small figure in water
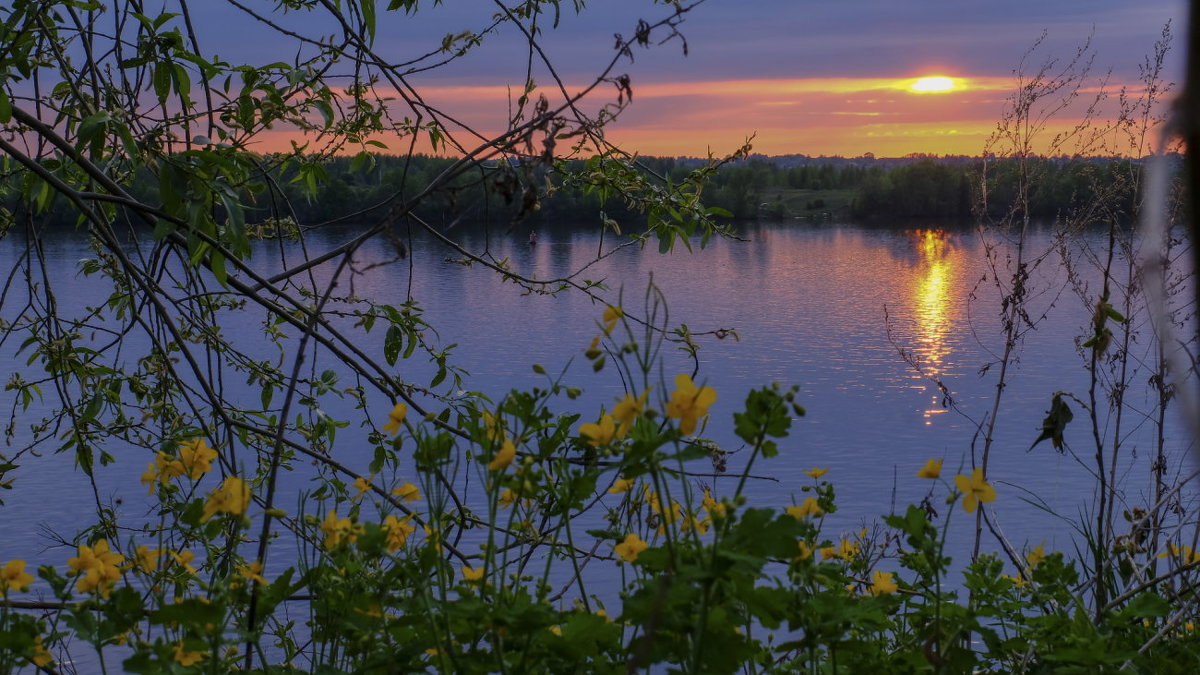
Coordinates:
[532,237]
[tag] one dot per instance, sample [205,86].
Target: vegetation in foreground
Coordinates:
[479,534]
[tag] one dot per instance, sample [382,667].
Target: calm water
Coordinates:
[808,303]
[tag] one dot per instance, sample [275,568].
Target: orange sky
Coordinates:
[812,116]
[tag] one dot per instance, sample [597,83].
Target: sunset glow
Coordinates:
[929,85]
[845,116]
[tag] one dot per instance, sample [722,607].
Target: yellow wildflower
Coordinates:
[689,403]
[621,485]
[337,530]
[253,572]
[162,470]
[184,559]
[186,658]
[408,492]
[493,426]
[881,582]
[507,497]
[147,558]
[397,531]
[806,550]
[556,630]
[232,497]
[196,457]
[700,525]
[975,489]
[433,538]
[98,566]
[396,418]
[41,658]
[816,473]
[715,508]
[628,410]
[1036,555]
[809,507]
[1018,581]
[504,457]
[629,549]
[601,433]
[932,468]
[360,486]
[13,577]
[612,314]
[846,550]
[472,574]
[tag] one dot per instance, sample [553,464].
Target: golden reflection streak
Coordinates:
[932,309]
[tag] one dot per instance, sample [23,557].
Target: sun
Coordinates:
[933,85]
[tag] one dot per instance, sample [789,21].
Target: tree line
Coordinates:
[365,186]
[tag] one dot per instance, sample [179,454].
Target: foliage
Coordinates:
[474,535]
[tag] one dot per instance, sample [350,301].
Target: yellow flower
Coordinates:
[472,574]
[147,558]
[184,559]
[232,497]
[629,549]
[494,427]
[162,469]
[881,582]
[1018,581]
[433,538]
[816,473]
[507,497]
[186,658]
[98,567]
[846,550]
[337,530]
[628,410]
[806,550]
[361,485]
[196,457]
[700,525]
[1036,555]
[253,572]
[41,658]
[932,469]
[13,577]
[809,507]
[1184,553]
[397,532]
[689,403]
[715,508]
[396,418]
[612,314]
[621,485]
[504,457]
[408,492]
[975,489]
[601,433]
[556,630]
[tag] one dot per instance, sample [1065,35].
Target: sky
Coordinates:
[801,77]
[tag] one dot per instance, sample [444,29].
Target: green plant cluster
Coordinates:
[396,573]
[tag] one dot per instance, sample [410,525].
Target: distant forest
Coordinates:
[864,189]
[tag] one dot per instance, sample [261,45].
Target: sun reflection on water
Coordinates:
[931,309]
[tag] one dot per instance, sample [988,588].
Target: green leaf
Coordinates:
[1055,423]
[392,344]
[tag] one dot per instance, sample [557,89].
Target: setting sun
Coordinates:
[925,85]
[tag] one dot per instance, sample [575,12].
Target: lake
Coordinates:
[811,304]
